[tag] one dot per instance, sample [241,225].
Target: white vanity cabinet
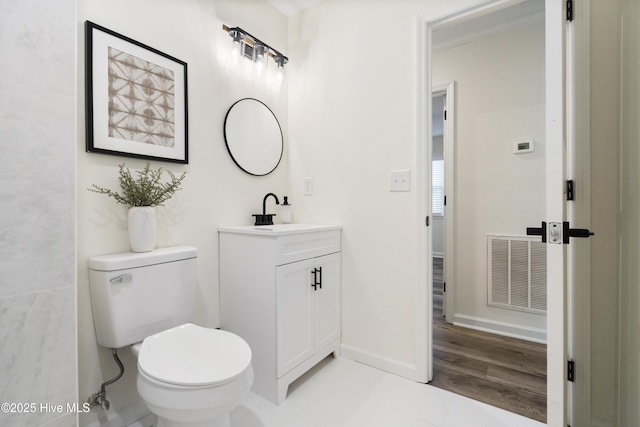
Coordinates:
[280,289]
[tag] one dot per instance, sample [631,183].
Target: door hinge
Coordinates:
[427,221]
[445,114]
[569,10]
[570,193]
[444,287]
[571,371]
[445,200]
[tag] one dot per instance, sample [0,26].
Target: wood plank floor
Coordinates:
[504,372]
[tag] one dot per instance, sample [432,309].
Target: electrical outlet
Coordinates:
[308,187]
[400,180]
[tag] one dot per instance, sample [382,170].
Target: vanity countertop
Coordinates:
[278,229]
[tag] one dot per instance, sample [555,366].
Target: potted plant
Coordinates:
[142,194]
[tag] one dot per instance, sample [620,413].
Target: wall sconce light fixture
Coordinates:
[245,47]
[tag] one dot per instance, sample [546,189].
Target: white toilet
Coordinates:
[187,375]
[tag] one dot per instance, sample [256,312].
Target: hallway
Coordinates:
[504,372]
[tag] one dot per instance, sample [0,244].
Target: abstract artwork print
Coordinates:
[141,100]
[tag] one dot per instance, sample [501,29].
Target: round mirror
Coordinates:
[253,137]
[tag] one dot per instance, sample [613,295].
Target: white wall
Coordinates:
[629,216]
[215,193]
[499,101]
[352,115]
[37,219]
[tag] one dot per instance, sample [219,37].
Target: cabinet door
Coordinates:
[327,300]
[294,315]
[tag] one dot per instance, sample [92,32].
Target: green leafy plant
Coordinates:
[144,190]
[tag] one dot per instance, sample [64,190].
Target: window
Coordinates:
[437,187]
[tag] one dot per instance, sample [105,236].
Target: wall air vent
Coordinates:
[517,273]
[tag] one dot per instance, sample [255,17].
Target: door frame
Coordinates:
[562,123]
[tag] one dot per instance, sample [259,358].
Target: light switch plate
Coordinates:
[400,180]
[308,186]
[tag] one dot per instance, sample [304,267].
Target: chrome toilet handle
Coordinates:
[123,278]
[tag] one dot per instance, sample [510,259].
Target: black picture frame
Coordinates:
[136,98]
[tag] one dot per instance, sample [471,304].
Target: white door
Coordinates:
[555,181]
[555,22]
[442,184]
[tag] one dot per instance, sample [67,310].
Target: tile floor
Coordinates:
[343,393]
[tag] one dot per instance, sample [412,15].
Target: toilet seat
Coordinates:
[190,355]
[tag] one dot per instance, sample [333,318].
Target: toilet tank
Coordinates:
[135,295]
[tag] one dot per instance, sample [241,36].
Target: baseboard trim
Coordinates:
[124,416]
[386,364]
[501,328]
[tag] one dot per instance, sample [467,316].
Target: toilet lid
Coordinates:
[191,355]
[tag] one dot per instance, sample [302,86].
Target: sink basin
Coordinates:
[278,229]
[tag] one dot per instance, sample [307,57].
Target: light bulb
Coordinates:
[260,57]
[279,74]
[237,46]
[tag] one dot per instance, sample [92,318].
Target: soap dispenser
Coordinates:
[285,211]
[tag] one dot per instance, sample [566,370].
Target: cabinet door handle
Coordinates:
[317,278]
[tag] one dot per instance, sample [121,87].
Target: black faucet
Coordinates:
[265,218]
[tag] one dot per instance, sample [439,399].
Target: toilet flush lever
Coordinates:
[123,278]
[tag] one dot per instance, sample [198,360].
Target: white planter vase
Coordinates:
[142,228]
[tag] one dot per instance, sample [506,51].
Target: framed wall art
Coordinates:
[136,98]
